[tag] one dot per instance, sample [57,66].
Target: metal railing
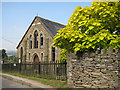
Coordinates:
[48,69]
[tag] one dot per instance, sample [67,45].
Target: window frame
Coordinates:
[36,37]
[41,40]
[53,53]
[21,54]
[29,56]
[30,41]
[41,56]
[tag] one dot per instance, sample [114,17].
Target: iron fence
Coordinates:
[48,69]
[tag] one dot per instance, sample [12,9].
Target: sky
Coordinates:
[17,17]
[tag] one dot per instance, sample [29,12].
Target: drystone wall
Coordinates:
[94,70]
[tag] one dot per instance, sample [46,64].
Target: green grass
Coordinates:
[51,82]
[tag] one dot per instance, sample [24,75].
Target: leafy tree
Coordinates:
[3,55]
[97,26]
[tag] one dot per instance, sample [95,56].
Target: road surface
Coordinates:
[12,84]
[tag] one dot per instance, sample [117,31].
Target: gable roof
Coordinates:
[51,27]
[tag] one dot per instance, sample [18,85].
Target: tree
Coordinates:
[97,26]
[3,55]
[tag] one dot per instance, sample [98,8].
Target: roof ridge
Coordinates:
[50,21]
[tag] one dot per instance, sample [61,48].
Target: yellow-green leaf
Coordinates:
[98,40]
[93,47]
[72,40]
[91,27]
[101,38]
[80,36]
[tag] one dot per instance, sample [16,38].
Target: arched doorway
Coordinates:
[36,61]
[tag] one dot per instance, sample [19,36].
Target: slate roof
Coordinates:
[51,27]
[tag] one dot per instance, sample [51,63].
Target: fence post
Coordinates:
[39,69]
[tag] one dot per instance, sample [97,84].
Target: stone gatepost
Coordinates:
[70,57]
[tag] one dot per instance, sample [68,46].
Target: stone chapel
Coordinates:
[37,43]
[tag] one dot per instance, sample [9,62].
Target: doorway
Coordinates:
[36,61]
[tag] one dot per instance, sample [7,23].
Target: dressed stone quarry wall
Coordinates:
[94,70]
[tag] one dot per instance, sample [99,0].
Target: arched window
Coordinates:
[21,54]
[29,56]
[41,43]
[53,54]
[36,39]
[30,41]
[41,56]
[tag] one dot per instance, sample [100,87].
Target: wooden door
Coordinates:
[36,61]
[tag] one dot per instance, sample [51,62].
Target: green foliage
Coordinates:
[5,58]
[13,59]
[3,55]
[63,56]
[97,26]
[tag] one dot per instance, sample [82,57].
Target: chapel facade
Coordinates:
[37,43]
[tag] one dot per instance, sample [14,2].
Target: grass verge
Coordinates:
[51,82]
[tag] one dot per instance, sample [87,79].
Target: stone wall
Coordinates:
[94,70]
